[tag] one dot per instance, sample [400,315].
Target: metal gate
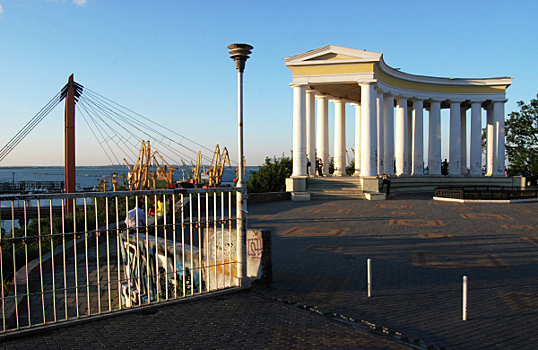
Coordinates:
[117,250]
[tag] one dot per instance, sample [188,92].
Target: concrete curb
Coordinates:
[498,201]
[359,323]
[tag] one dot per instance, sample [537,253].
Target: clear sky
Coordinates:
[167,60]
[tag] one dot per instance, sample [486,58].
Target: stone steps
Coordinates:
[334,188]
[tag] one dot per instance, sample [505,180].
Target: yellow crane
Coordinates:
[196,172]
[140,177]
[217,166]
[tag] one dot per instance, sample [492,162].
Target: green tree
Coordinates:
[350,170]
[522,139]
[271,177]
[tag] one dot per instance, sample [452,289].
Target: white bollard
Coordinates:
[369,277]
[464,298]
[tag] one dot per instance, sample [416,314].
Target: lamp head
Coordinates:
[240,53]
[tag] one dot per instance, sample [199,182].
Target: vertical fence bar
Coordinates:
[15,261]
[166,208]
[183,245]
[174,243]
[64,260]
[156,273]
[76,257]
[464,298]
[52,262]
[118,249]
[108,255]
[190,245]
[26,266]
[86,251]
[215,238]
[224,249]
[40,259]
[369,277]
[233,264]
[138,264]
[148,275]
[127,243]
[97,235]
[206,242]
[2,278]
[198,271]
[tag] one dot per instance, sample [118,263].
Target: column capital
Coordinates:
[321,97]
[338,100]
[294,85]
[310,90]
[473,101]
[370,82]
[416,99]
[499,101]
[455,101]
[355,104]
[430,100]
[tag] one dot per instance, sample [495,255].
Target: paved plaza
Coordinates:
[420,250]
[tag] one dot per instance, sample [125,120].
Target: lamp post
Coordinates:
[239,53]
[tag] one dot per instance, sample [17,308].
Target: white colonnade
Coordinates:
[398,118]
[389,134]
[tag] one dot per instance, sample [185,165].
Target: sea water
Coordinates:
[89,176]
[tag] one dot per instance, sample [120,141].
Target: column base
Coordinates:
[296,184]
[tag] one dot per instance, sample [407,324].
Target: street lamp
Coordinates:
[239,53]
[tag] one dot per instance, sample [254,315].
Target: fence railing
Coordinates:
[118,250]
[486,192]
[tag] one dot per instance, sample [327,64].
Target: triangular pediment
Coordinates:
[331,53]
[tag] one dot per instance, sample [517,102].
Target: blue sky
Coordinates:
[167,60]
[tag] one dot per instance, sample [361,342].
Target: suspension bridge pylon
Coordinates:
[70,171]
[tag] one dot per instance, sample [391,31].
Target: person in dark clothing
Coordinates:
[319,166]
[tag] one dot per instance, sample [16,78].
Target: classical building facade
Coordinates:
[389,116]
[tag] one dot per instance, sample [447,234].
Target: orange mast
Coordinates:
[70,143]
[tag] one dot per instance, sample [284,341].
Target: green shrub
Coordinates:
[271,177]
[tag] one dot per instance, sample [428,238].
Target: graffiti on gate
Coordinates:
[154,269]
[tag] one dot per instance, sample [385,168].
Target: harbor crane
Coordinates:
[140,176]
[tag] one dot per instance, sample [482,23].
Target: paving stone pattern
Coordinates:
[233,321]
[420,250]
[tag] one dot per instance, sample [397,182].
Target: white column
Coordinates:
[299,130]
[388,123]
[490,144]
[499,132]
[357,138]
[339,137]
[454,148]
[408,165]
[380,133]
[323,132]
[434,149]
[311,131]
[463,124]
[400,143]
[418,137]
[476,138]
[368,129]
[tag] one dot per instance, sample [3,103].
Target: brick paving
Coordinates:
[420,250]
[232,321]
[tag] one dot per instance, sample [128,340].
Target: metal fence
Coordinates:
[486,192]
[118,250]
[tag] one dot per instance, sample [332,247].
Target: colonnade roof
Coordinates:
[338,72]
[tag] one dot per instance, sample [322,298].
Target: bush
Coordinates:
[271,177]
